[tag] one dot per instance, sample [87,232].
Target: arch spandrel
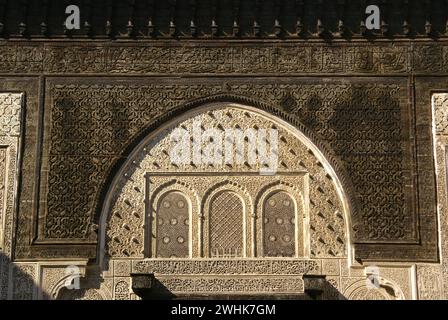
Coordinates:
[300,163]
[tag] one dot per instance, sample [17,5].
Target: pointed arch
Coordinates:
[316,150]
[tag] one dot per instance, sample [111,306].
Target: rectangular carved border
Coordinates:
[427,250]
[372,251]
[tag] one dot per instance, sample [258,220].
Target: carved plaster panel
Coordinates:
[325,235]
[227,267]
[82,294]
[23,281]
[54,276]
[232,284]
[357,289]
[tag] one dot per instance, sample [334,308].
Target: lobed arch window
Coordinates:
[279,225]
[172,221]
[244,219]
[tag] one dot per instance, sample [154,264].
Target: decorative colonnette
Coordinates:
[431,278]
[10,136]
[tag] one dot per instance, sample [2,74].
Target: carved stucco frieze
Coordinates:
[54,276]
[227,267]
[231,284]
[264,58]
[10,114]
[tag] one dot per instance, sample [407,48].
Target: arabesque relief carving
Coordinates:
[323,206]
[374,153]
[270,58]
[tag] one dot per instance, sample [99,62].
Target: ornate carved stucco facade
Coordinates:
[87,183]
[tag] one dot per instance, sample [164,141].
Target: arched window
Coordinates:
[279,225]
[226,231]
[172,226]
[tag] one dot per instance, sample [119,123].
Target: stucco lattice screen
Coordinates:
[226,218]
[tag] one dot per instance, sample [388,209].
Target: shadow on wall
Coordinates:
[316,288]
[18,281]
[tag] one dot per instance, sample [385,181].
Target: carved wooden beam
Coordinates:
[130,24]
[142,284]
[236,17]
[299,17]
